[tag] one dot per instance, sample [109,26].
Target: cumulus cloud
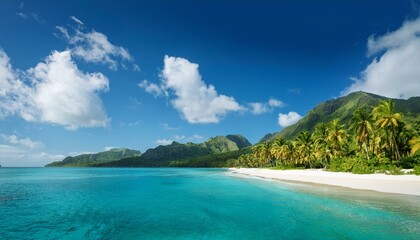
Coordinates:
[94,47]
[16,156]
[164,141]
[179,138]
[24,152]
[25,142]
[151,88]
[55,92]
[14,93]
[67,96]
[191,96]
[275,103]
[395,72]
[288,119]
[260,108]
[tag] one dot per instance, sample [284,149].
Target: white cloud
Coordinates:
[25,142]
[65,95]
[275,103]
[8,151]
[396,72]
[136,68]
[180,138]
[193,98]
[23,152]
[168,127]
[22,15]
[94,47]
[16,156]
[57,92]
[76,20]
[151,88]
[108,148]
[13,92]
[260,108]
[164,141]
[288,119]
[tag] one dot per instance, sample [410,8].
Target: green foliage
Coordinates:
[410,162]
[219,151]
[379,141]
[353,165]
[416,170]
[343,109]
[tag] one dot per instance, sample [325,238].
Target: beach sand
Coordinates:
[399,184]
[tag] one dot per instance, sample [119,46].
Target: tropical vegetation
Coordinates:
[373,140]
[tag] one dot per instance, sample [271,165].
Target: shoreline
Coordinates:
[396,184]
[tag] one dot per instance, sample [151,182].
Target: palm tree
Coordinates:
[303,143]
[336,136]
[360,123]
[289,153]
[321,131]
[276,149]
[321,148]
[388,120]
[415,145]
[262,153]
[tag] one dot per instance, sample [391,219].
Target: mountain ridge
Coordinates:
[343,108]
[164,154]
[87,159]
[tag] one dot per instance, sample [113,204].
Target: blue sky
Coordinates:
[84,76]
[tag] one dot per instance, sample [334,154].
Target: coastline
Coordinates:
[396,184]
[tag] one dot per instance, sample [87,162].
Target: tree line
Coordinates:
[374,140]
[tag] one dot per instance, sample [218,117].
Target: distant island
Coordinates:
[358,133]
[216,152]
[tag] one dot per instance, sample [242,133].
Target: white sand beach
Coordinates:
[399,184]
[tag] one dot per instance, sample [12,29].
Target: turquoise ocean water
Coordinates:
[123,203]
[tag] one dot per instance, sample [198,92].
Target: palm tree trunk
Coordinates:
[367,152]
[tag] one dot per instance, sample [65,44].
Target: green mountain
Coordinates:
[86,160]
[343,108]
[177,154]
[240,140]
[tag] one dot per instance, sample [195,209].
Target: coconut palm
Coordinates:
[262,153]
[415,145]
[321,131]
[360,123]
[388,120]
[303,143]
[276,149]
[289,153]
[336,136]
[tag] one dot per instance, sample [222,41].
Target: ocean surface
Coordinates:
[136,203]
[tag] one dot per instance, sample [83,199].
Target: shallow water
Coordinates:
[135,203]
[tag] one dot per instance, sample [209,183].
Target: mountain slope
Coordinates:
[240,140]
[85,160]
[177,154]
[343,108]
[164,155]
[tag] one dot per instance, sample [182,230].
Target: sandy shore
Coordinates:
[400,184]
